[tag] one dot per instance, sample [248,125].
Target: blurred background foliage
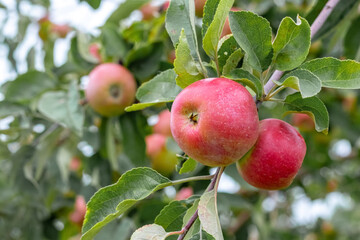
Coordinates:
[51,153]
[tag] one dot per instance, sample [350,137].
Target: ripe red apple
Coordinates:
[149,11]
[162,160]
[111,88]
[94,50]
[77,216]
[226,29]
[303,122]
[276,157]
[214,121]
[163,125]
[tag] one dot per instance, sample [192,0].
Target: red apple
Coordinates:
[171,56]
[60,30]
[149,11]
[111,88]
[163,125]
[199,7]
[77,216]
[184,193]
[162,160]
[215,121]
[226,29]
[75,164]
[303,122]
[276,157]
[94,50]
[166,5]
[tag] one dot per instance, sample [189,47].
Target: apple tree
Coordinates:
[134,136]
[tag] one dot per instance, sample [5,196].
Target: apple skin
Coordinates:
[111,88]
[276,157]
[163,125]
[162,160]
[149,11]
[94,50]
[166,5]
[60,30]
[199,7]
[303,122]
[184,193]
[214,121]
[77,216]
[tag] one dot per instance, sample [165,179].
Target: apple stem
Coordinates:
[214,182]
[315,27]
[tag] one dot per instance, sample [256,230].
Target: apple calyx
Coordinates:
[194,118]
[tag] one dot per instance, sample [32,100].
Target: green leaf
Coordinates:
[9,108]
[302,80]
[232,61]
[144,61]
[152,231]
[213,32]
[195,228]
[132,129]
[171,216]
[312,106]
[93,3]
[228,46]
[110,202]
[184,65]
[28,86]
[83,43]
[162,88]
[63,108]
[110,140]
[77,58]
[335,73]
[351,41]
[181,15]
[208,215]
[119,230]
[340,12]
[291,44]
[253,34]
[210,8]
[124,10]
[244,77]
[114,44]
[188,166]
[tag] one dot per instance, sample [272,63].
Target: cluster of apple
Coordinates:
[162,159]
[215,121]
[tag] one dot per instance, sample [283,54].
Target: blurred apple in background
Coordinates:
[163,125]
[162,160]
[77,216]
[184,193]
[303,122]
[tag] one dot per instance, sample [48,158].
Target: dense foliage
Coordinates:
[55,147]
